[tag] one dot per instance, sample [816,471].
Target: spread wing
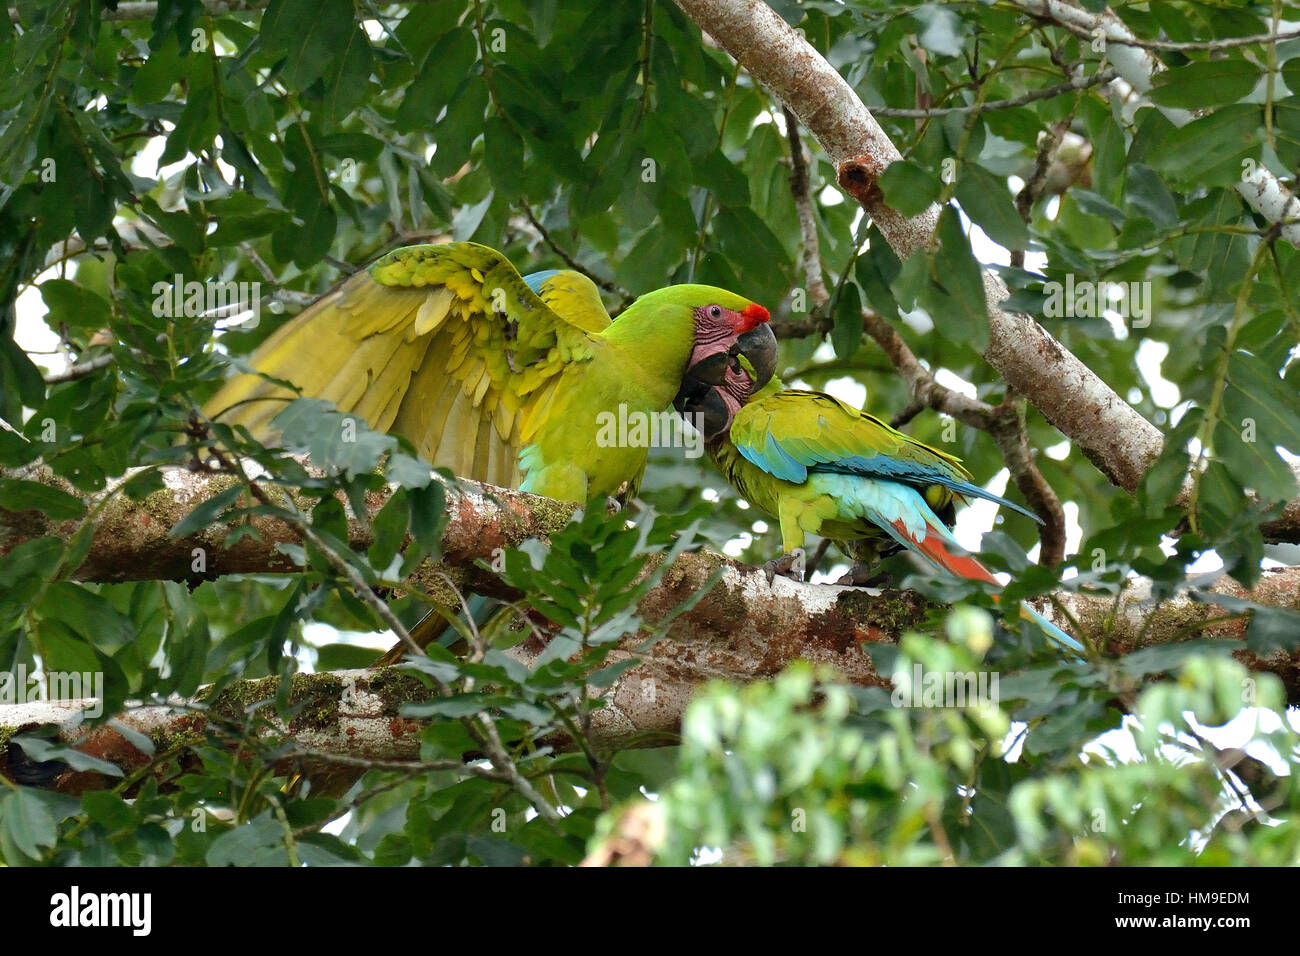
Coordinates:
[444,344]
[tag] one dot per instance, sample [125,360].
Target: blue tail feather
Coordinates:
[1058,636]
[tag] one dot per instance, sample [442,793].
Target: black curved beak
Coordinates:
[700,399]
[702,406]
[759,346]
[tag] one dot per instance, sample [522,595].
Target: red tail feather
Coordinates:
[936,549]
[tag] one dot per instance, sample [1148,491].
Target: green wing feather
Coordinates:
[443,344]
[574,296]
[788,431]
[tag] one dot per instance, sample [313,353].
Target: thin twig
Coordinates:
[914,408]
[1073,85]
[801,190]
[571,262]
[1033,188]
[80,370]
[1169,45]
[818,554]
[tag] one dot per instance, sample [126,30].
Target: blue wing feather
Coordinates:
[777,461]
[536,280]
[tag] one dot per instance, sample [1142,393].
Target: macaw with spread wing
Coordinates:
[823,467]
[496,377]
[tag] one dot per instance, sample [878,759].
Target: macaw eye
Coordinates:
[715,312]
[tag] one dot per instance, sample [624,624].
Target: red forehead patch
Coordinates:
[755,315]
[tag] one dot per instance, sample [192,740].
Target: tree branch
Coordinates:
[571,262]
[743,629]
[801,190]
[80,370]
[1072,85]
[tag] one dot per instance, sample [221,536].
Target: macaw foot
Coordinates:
[788,566]
[860,575]
[615,503]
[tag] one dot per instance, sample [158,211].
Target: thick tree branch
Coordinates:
[743,629]
[351,719]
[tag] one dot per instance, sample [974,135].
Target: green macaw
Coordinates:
[822,467]
[497,377]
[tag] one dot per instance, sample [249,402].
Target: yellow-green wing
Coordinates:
[443,344]
[571,294]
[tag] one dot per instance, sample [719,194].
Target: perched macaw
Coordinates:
[823,467]
[497,377]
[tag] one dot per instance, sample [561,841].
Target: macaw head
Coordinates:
[705,330]
[714,388]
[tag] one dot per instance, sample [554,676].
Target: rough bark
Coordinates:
[743,629]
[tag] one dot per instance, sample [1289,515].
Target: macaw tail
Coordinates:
[934,547]
[1058,636]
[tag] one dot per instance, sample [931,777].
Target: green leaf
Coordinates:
[257,843]
[941,31]
[457,705]
[310,33]
[334,657]
[341,444]
[1206,83]
[985,199]
[389,527]
[21,495]
[86,614]
[73,305]
[954,296]
[206,513]
[846,335]
[428,515]
[875,271]
[28,821]
[40,750]
[1209,151]
[503,152]
[909,190]
[754,252]
[348,78]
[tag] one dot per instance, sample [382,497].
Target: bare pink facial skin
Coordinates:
[717,328]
